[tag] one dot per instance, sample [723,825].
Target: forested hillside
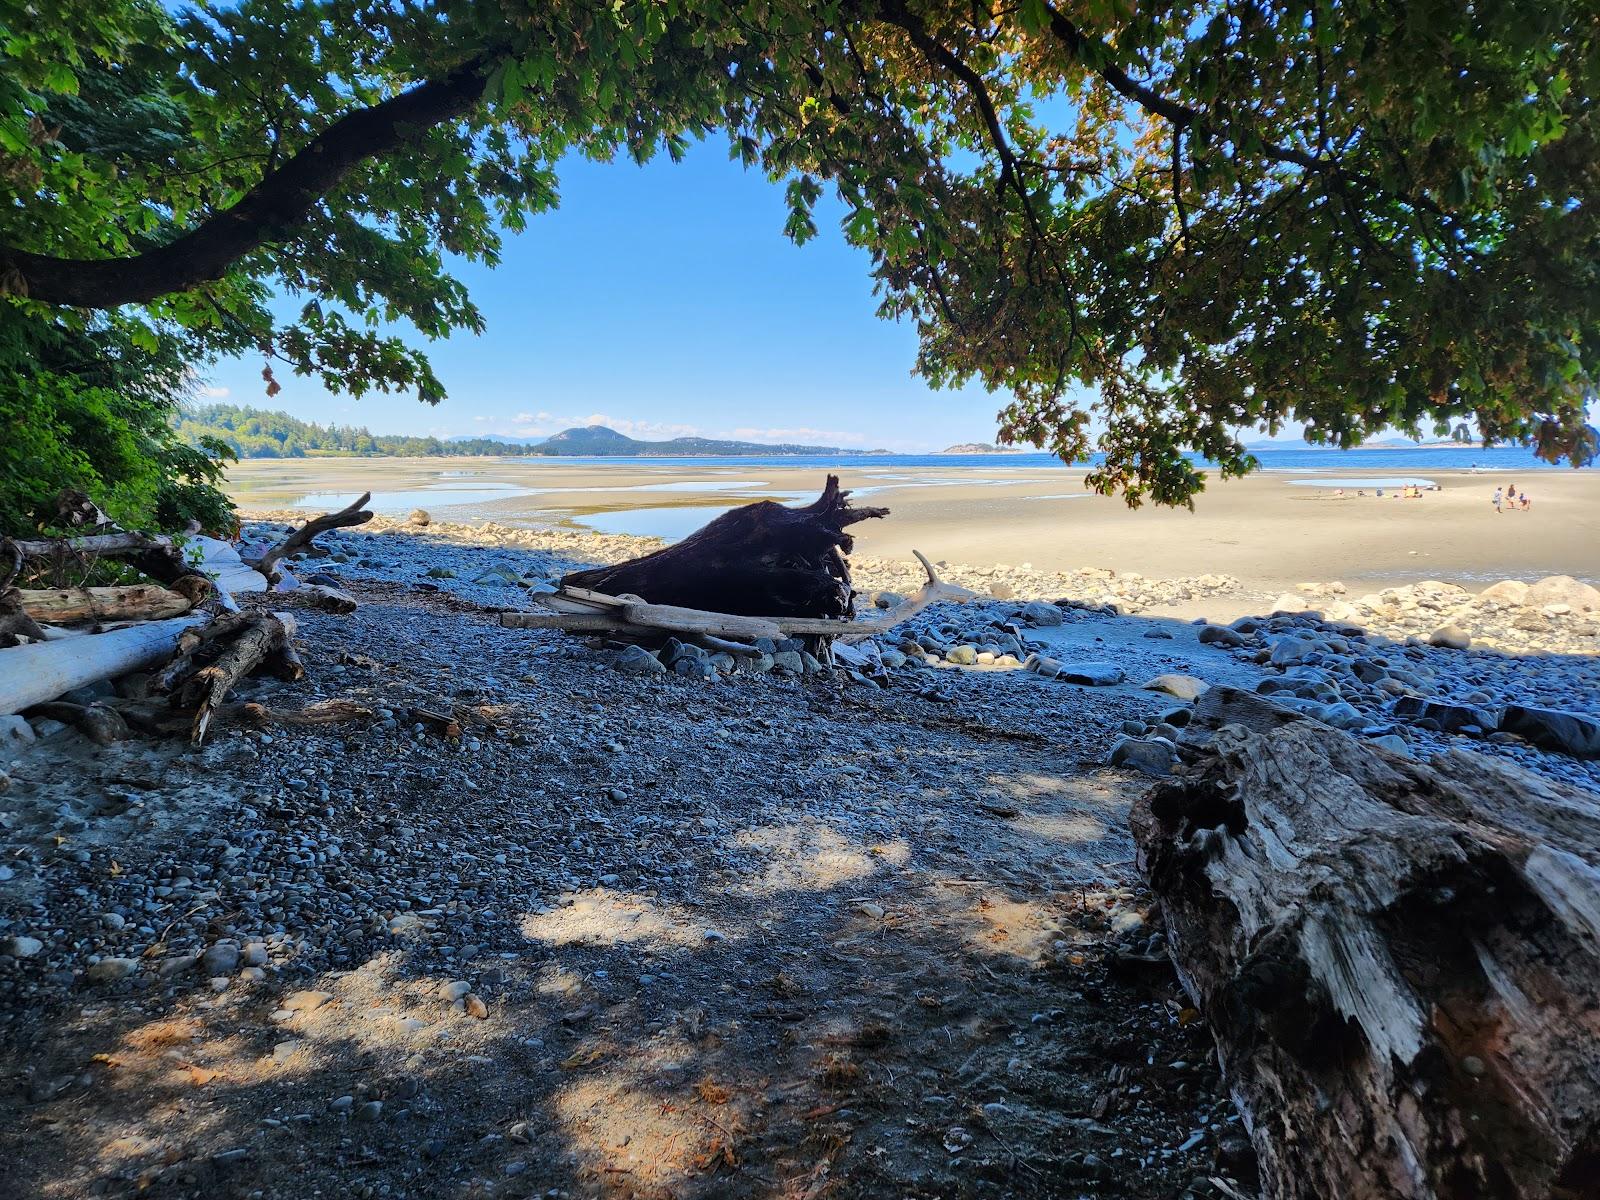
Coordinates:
[257,433]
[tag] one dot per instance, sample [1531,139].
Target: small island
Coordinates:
[980,448]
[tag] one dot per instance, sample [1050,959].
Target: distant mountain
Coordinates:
[601,441]
[980,448]
[258,433]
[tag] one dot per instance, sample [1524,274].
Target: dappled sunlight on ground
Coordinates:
[605,918]
[813,857]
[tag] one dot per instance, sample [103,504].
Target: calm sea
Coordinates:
[1296,458]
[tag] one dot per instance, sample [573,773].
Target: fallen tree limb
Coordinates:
[1399,960]
[321,596]
[129,602]
[302,538]
[323,712]
[33,674]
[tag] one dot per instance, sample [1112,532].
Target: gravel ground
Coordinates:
[627,936]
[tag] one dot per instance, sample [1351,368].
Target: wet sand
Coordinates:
[1270,530]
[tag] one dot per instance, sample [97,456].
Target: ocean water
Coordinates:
[1287,458]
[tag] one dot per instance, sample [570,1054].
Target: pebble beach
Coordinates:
[659,915]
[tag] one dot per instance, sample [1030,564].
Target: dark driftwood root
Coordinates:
[1398,959]
[14,619]
[764,559]
[97,722]
[305,536]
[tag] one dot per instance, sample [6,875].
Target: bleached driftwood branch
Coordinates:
[584,610]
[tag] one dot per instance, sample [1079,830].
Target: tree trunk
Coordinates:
[31,675]
[133,602]
[1398,959]
[765,559]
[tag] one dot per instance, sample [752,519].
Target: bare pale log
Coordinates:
[33,674]
[593,612]
[1399,960]
[300,539]
[129,602]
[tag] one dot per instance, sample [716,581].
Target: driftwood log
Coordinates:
[584,610]
[304,537]
[128,602]
[763,559]
[31,675]
[212,659]
[152,554]
[1400,961]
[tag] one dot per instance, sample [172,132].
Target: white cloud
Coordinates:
[215,393]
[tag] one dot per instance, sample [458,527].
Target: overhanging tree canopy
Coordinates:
[1190,219]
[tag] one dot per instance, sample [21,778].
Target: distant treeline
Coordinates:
[256,433]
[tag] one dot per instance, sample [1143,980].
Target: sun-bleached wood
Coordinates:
[1399,959]
[127,602]
[594,612]
[31,675]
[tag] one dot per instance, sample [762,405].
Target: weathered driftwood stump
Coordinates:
[211,660]
[1400,961]
[764,559]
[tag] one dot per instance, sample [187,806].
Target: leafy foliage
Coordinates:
[257,433]
[1153,226]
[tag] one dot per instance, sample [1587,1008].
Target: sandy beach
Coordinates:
[1270,530]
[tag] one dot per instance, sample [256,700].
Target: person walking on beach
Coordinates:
[1497,499]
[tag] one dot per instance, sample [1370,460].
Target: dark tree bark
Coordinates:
[765,559]
[270,211]
[1400,961]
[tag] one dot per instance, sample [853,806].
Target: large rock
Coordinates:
[1149,756]
[1507,591]
[1451,718]
[1092,674]
[419,517]
[1037,612]
[1291,651]
[15,731]
[1290,603]
[1450,637]
[1550,728]
[1184,687]
[1221,635]
[636,660]
[1564,589]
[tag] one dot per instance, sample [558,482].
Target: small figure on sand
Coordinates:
[1511,495]
[1523,500]
[1498,499]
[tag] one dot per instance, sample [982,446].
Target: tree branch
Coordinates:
[269,211]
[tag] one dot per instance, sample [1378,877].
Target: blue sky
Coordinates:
[665,300]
